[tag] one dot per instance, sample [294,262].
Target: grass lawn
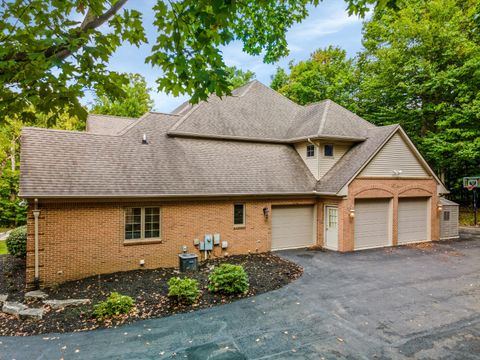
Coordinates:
[466,217]
[4,229]
[3,247]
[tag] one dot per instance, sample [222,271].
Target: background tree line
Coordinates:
[419,67]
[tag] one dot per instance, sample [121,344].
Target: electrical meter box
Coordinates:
[208,242]
[216,239]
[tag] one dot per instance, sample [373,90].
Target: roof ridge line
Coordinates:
[184,117]
[324,117]
[114,116]
[130,126]
[281,95]
[162,113]
[34,128]
[247,86]
[315,103]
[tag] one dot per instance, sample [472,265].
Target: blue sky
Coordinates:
[328,24]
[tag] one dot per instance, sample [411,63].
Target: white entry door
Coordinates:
[331,227]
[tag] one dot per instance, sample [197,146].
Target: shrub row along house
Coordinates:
[256,169]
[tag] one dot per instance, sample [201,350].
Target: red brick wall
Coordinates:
[83,239]
[388,188]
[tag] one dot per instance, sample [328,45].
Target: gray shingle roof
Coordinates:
[256,111]
[111,161]
[447,202]
[107,124]
[75,164]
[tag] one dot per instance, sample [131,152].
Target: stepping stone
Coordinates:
[35,295]
[31,314]
[13,308]
[60,304]
[3,298]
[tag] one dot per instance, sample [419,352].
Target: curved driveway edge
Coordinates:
[392,303]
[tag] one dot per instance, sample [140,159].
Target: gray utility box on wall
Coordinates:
[188,262]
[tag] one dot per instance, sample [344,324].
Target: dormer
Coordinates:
[321,155]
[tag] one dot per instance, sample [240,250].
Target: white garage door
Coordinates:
[412,220]
[292,227]
[372,223]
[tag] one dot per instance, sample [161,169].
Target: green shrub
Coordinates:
[115,304]
[184,290]
[17,241]
[228,279]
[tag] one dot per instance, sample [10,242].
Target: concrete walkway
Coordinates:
[376,304]
[4,235]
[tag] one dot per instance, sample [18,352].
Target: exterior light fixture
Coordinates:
[265,212]
[439,207]
[352,213]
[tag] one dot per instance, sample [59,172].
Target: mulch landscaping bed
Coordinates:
[149,290]
[12,277]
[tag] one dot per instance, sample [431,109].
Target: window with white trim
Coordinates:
[239,214]
[310,150]
[142,223]
[328,150]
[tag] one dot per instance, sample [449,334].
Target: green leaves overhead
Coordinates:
[52,51]
[48,59]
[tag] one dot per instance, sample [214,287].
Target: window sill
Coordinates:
[238,227]
[142,242]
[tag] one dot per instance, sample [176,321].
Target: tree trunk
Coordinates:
[13,161]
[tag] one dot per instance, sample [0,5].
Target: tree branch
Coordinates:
[89,22]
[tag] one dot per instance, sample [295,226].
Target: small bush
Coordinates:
[17,241]
[228,279]
[116,304]
[184,290]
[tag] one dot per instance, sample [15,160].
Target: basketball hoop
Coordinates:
[471,183]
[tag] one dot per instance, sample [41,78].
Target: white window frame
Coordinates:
[310,146]
[244,215]
[142,222]
[333,151]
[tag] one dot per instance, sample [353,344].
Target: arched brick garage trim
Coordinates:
[377,191]
[414,191]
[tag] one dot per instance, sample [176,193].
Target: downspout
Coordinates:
[317,149]
[36,214]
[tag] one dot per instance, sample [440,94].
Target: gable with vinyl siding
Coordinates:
[325,163]
[395,155]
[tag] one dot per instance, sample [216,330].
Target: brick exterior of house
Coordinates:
[77,240]
[82,239]
[363,188]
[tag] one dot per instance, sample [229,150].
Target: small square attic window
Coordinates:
[328,150]
[310,150]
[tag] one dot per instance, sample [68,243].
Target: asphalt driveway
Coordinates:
[376,304]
